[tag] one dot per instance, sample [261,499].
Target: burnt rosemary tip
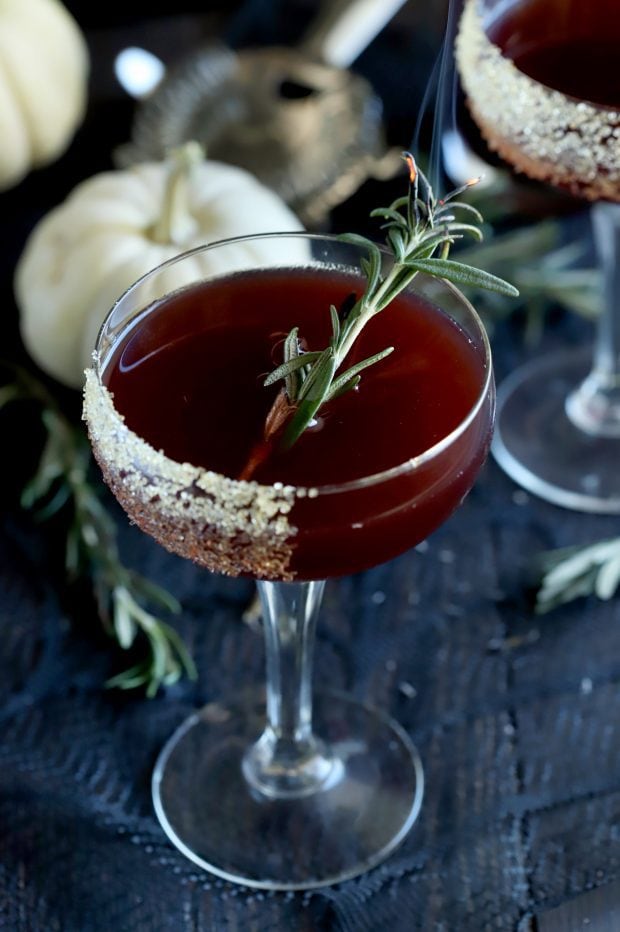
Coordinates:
[413,169]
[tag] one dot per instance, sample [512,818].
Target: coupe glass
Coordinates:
[282,790]
[558,417]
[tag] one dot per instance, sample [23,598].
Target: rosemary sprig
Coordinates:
[420,231]
[571,572]
[62,481]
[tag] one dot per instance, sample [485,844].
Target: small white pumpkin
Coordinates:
[43,84]
[115,227]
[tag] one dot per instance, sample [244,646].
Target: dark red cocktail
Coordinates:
[187,378]
[568,45]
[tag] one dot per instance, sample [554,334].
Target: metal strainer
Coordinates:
[303,124]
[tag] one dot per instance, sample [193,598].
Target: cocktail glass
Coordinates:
[285,790]
[558,417]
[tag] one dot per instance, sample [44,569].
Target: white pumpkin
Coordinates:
[115,227]
[43,84]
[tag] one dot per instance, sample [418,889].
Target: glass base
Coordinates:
[213,815]
[541,448]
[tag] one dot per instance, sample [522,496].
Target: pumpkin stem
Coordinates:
[175,224]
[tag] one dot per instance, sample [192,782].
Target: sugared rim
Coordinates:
[541,131]
[483,13]
[354,484]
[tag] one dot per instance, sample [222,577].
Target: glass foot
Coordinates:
[541,448]
[363,811]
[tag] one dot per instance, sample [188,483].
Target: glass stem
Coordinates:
[288,760]
[595,405]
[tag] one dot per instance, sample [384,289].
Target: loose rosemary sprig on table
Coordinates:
[62,481]
[572,572]
[420,231]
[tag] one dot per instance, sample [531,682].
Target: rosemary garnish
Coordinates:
[572,572]
[61,483]
[420,231]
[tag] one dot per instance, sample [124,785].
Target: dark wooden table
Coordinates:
[516,716]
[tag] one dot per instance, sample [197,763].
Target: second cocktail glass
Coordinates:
[540,77]
[285,790]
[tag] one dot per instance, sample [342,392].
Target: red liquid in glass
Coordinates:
[572,46]
[188,379]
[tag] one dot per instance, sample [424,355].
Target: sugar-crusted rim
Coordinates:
[549,135]
[335,488]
